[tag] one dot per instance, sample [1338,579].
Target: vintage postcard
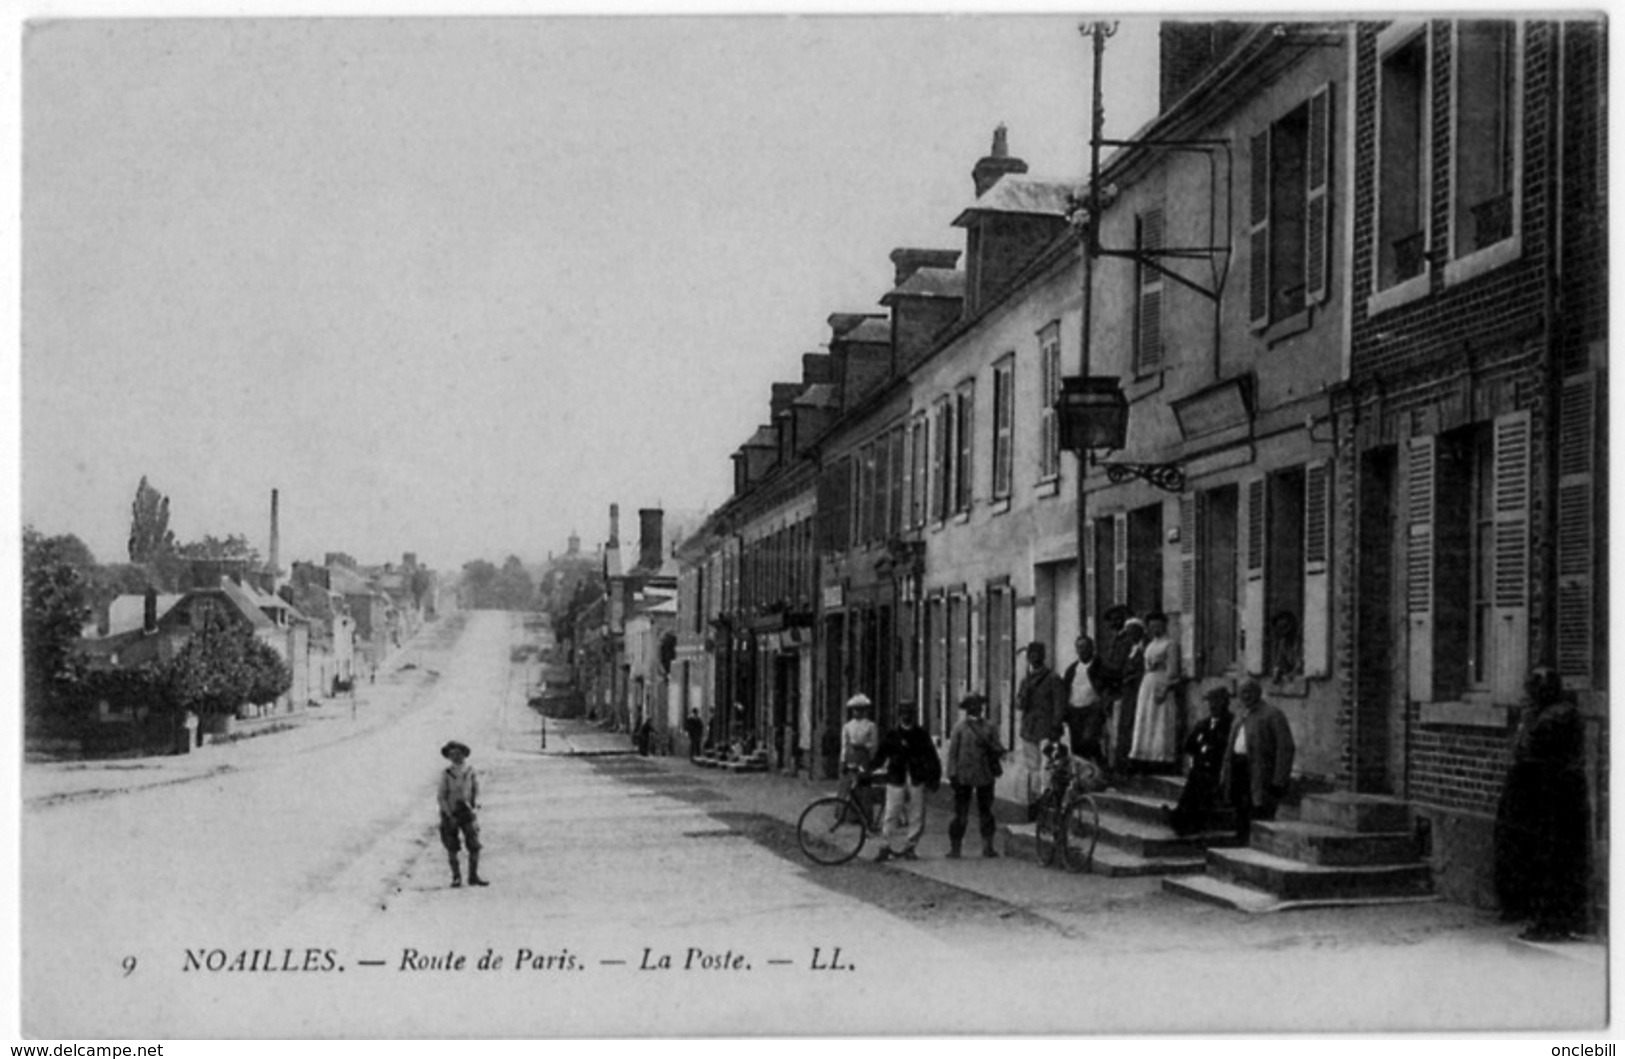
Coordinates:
[838,524]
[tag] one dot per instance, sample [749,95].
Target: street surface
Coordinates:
[293,885]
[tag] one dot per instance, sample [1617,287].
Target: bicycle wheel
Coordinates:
[1046,838]
[831,831]
[1082,832]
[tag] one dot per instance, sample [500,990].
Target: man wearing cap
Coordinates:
[1041,702]
[974,751]
[459,800]
[912,767]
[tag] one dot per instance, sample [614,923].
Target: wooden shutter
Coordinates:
[1188,523]
[1004,407]
[1089,587]
[1258,229]
[1120,559]
[939,462]
[905,514]
[1252,592]
[1317,211]
[1420,461]
[1576,530]
[964,471]
[1317,570]
[1148,330]
[1509,611]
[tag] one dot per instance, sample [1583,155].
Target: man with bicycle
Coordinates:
[911,768]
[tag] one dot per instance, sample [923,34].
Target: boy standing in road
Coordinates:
[459,799]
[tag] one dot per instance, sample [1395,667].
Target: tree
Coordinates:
[479,578]
[56,602]
[224,666]
[150,536]
[515,590]
[234,546]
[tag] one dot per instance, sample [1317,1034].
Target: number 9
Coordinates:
[129,966]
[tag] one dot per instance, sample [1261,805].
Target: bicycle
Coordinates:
[833,829]
[1068,817]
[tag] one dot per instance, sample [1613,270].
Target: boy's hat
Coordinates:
[446,750]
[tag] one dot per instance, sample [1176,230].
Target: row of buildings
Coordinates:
[333,623]
[1351,284]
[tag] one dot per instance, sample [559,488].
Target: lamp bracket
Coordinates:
[1169,477]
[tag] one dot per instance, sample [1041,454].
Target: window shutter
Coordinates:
[1148,332]
[1419,468]
[1252,600]
[1188,521]
[1510,604]
[1090,588]
[939,464]
[1317,570]
[1258,214]
[1120,560]
[1317,212]
[906,443]
[1576,530]
[965,471]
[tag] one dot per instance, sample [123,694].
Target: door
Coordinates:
[1379,727]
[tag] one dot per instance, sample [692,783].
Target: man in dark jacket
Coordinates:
[1086,706]
[1041,702]
[911,767]
[1258,759]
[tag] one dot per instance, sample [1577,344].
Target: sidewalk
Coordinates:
[1068,898]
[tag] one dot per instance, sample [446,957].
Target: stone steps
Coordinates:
[1343,848]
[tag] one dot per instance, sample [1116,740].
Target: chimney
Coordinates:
[651,547]
[614,525]
[996,164]
[815,368]
[149,611]
[276,542]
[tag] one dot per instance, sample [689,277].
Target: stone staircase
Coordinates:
[1135,838]
[757,761]
[1342,849]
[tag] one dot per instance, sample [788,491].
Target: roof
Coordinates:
[245,603]
[818,395]
[929,283]
[872,329]
[764,438]
[348,582]
[129,611]
[1022,195]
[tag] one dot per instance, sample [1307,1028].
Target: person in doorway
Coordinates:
[694,728]
[974,756]
[1086,708]
[459,806]
[912,768]
[1124,665]
[1258,760]
[1542,821]
[1205,746]
[1156,713]
[1041,703]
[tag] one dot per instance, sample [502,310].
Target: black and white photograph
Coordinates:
[694,525]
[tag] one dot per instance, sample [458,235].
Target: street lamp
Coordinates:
[1092,412]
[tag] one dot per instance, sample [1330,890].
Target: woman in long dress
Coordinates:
[1156,712]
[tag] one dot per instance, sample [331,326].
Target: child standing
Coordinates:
[459,799]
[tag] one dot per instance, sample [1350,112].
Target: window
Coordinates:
[863,494]
[895,492]
[1468,564]
[1004,406]
[1484,201]
[962,474]
[936,658]
[958,672]
[1148,239]
[1289,213]
[1049,426]
[1402,154]
[880,526]
[1143,576]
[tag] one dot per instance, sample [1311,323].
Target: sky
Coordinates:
[454,286]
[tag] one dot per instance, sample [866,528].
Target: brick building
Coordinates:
[1470,448]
